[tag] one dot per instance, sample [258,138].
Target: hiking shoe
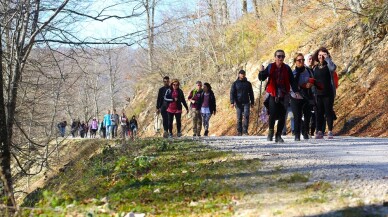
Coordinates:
[239,134]
[179,134]
[165,134]
[319,135]
[206,133]
[330,135]
[305,136]
[270,135]
[194,135]
[170,135]
[297,138]
[278,139]
[284,133]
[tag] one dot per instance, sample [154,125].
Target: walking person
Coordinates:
[74,128]
[161,105]
[62,127]
[133,127]
[123,124]
[280,78]
[323,73]
[175,98]
[107,123]
[102,130]
[303,80]
[242,98]
[195,106]
[115,118]
[93,128]
[208,106]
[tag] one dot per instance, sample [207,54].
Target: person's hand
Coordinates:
[192,101]
[261,68]
[232,105]
[175,99]
[214,113]
[297,94]
[324,55]
[309,85]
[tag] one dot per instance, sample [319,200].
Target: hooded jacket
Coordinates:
[242,92]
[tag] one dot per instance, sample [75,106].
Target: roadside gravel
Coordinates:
[356,167]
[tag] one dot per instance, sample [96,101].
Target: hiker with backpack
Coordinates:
[301,105]
[123,124]
[195,106]
[161,105]
[93,127]
[208,106]
[115,118]
[323,73]
[175,98]
[242,98]
[107,123]
[280,79]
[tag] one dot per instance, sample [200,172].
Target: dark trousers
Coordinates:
[242,109]
[171,120]
[301,108]
[277,111]
[164,113]
[324,109]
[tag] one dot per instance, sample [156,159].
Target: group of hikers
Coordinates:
[108,127]
[309,90]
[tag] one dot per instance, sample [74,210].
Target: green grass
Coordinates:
[153,176]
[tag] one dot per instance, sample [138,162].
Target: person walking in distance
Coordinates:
[323,73]
[208,106]
[124,123]
[108,124]
[93,128]
[115,119]
[242,98]
[161,105]
[195,106]
[280,78]
[175,98]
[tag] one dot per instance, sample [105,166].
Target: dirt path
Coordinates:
[357,168]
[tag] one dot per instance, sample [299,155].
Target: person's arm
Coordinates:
[166,96]
[214,104]
[159,101]
[264,74]
[251,95]
[332,67]
[232,94]
[293,83]
[182,99]
[190,95]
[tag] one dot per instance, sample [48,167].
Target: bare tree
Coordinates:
[256,8]
[244,4]
[280,26]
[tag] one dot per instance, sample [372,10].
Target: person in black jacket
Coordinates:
[208,105]
[161,105]
[242,98]
[175,98]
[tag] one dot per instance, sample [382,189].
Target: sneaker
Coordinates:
[194,135]
[245,134]
[270,135]
[278,139]
[165,134]
[297,138]
[330,135]
[305,136]
[170,135]
[239,134]
[319,135]
[284,133]
[179,134]
[206,133]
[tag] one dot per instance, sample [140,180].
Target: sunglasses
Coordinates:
[280,56]
[300,60]
[175,84]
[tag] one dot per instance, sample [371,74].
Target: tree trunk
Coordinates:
[256,8]
[225,12]
[244,7]
[280,17]
[212,12]
[150,10]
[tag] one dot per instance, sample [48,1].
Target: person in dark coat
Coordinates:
[175,98]
[161,105]
[280,78]
[242,98]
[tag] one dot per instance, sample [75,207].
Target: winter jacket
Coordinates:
[300,80]
[272,85]
[212,101]
[107,120]
[181,99]
[325,75]
[242,92]
[195,95]
[160,101]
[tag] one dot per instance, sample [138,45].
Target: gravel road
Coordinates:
[352,163]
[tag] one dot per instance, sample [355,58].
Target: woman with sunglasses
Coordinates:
[175,98]
[280,78]
[300,105]
[323,73]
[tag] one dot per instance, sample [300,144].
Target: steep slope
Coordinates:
[358,48]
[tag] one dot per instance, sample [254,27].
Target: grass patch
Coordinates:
[153,176]
[295,178]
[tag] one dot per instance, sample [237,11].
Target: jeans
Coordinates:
[197,121]
[242,110]
[205,120]
[108,131]
[62,131]
[114,131]
[301,108]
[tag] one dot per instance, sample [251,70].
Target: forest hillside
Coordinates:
[358,45]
